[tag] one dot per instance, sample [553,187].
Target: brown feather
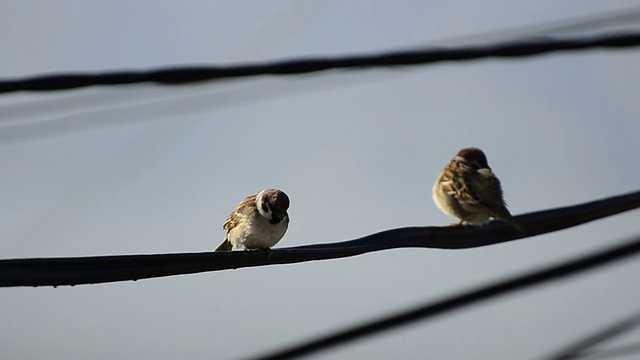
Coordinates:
[245,207]
[225,245]
[233,220]
[488,186]
[456,176]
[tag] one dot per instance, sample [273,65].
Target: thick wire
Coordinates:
[185,75]
[101,269]
[467,298]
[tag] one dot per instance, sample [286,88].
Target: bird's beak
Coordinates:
[277,216]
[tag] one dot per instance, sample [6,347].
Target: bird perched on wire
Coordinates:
[258,222]
[470,191]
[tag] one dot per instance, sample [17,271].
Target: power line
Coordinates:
[430,310]
[13,131]
[184,75]
[591,23]
[101,269]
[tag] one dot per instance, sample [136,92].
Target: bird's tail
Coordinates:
[509,220]
[225,245]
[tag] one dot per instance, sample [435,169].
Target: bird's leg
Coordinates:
[463,223]
[268,252]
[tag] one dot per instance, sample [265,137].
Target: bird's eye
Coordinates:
[265,207]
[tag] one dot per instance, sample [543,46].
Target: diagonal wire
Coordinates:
[463,299]
[101,269]
[580,349]
[184,75]
[77,119]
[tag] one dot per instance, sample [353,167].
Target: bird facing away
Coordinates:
[258,222]
[470,191]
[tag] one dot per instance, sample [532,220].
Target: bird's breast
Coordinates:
[259,233]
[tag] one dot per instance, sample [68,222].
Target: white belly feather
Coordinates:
[258,233]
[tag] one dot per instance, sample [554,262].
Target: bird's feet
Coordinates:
[267,252]
[461,223]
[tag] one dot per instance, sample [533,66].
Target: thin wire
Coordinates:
[153,106]
[463,299]
[185,75]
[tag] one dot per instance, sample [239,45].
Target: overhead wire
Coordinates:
[139,103]
[102,269]
[195,74]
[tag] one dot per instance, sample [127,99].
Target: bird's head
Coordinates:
[474,157]
[273,205]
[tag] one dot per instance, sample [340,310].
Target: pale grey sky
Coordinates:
[143,169]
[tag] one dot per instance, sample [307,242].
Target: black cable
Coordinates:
[600,22]
[200,99]
[101,269]
[184,75]
[461,300]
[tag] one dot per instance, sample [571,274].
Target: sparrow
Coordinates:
[469,190]
[258,222]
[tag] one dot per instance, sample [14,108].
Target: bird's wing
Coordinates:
[243,208]
[456,181]
[486,189]
[494,200]
[489,193]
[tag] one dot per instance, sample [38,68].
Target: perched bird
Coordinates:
[258,222]
[470,191]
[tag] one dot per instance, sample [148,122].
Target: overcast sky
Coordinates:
[146,169]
